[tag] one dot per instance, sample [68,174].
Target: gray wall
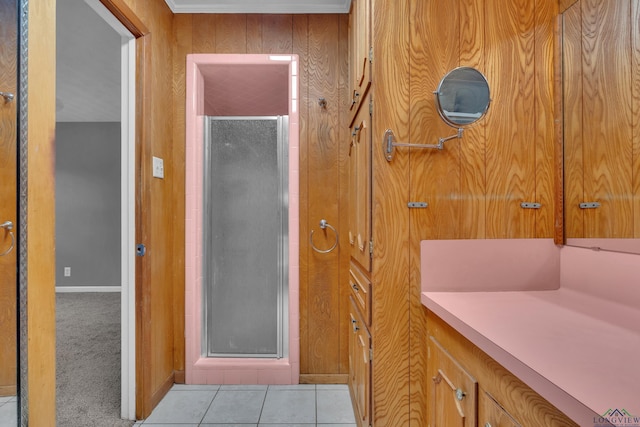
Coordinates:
[88,203]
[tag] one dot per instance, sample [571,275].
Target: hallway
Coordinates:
[304,405]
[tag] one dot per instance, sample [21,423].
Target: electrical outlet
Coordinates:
[158,167]
[67,272]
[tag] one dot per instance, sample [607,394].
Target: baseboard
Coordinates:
[179,377]
[324,378]
[161,391]
[62,289]
[8,390]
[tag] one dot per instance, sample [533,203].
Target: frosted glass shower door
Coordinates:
[245,221]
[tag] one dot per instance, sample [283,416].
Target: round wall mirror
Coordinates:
[462,97]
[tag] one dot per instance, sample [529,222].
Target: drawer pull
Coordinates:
[355,287]
[460,394]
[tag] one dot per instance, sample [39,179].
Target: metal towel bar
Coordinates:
[324,225]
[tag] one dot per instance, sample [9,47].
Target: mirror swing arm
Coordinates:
[462,98]
[389,142]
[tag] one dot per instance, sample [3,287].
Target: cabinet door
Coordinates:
[360,368]
[360,190]
[492,414]
[359,55]
[453,390]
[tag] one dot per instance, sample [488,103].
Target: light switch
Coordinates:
[158,167]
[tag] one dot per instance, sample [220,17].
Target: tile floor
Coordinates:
[303,405]
[8,411]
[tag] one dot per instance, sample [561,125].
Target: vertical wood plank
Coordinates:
[435,174]
[163,231]
[510,136]
[204,33]
[231,33]
[182,46]
[390,280]
[323,187]
[473,186]
[276,34]
[254,33]
[572,121]
[301,48]
[607,122]
[544,113]
[41,370]
[635,73]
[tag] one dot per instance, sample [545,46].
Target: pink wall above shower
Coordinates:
[241,90]
[263,85]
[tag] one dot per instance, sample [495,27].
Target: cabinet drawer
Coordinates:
[453,389]
[492,414]
[361,292]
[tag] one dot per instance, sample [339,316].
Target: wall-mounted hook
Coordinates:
[322,102]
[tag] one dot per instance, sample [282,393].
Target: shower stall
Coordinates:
[245,227]
[242,219]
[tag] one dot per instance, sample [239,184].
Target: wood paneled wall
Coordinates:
[321,43]
[601,126]
[159,336]
[474,186]
[41,344]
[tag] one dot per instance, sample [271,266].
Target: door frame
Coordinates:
[136,396]
[127,204]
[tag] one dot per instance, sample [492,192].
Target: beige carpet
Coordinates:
[88,360]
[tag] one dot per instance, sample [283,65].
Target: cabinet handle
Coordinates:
[487,424]
[460,394]
[8,97]
[354,100]
[355,287]
[8,227]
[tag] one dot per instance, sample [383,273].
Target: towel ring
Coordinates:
[323,225]
[8,226]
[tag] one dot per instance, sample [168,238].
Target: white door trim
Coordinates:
[127,295]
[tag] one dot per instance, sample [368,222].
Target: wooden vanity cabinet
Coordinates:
[500,399]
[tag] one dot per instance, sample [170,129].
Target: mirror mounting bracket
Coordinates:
[389,143]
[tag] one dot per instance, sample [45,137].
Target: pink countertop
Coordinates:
[576,344]
[557,342]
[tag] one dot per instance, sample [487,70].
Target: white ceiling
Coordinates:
[259,6]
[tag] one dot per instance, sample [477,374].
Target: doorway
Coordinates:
[96,115]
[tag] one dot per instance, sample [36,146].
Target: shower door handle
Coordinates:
[8,228]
